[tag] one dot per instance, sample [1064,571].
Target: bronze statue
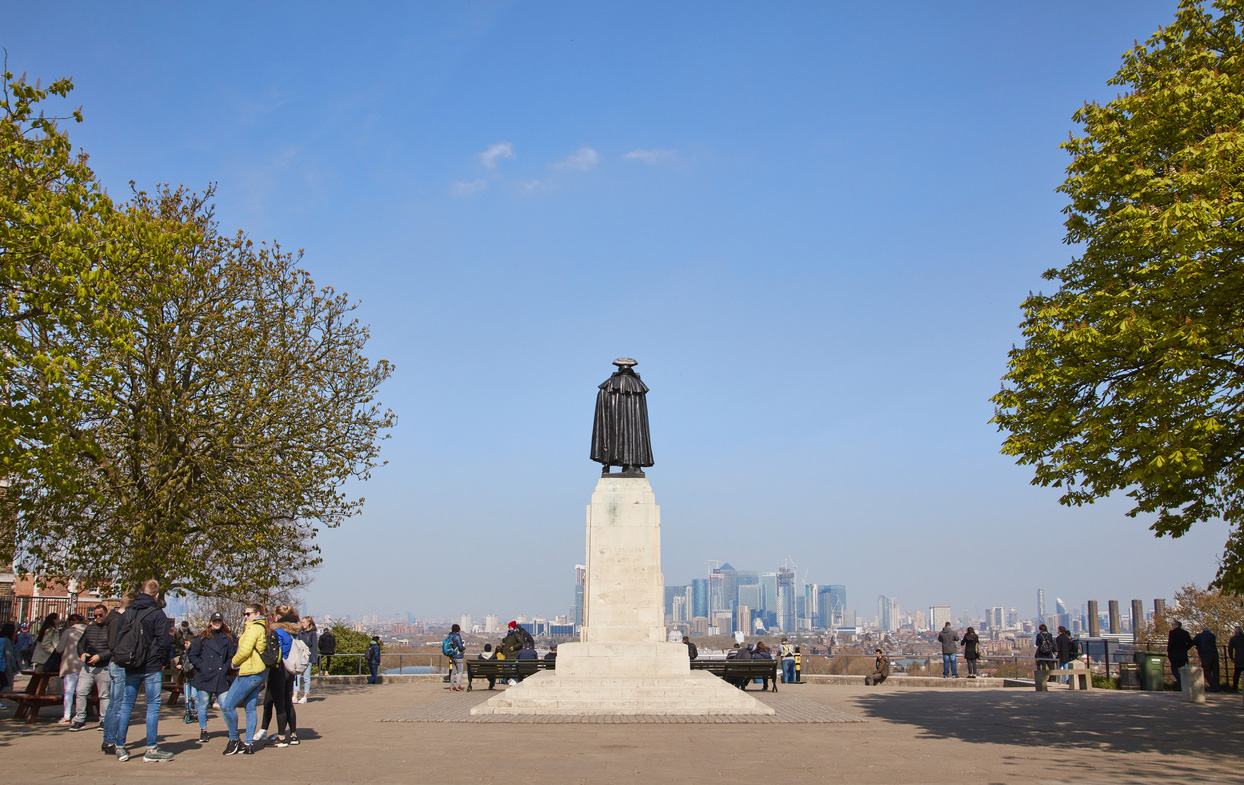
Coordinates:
[620,430]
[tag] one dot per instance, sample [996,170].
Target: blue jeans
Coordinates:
[302,683]
[788,671]
[201,700]
[116,694]
[374,669]
[150,682]
[950,666]
[188,693]
[243,692]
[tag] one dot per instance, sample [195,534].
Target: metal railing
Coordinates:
[389,663]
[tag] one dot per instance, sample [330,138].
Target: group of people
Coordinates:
[951,643]
[126,649]
[1179,642]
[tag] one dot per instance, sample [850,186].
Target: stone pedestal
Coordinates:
[1192,681]
[623,664]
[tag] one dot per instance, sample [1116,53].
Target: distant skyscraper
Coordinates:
[699,605]
[716,593]
[670,593]
[769,593]
[938,616]
[490,623]
[729,586]
[786,599]
[810,602]
[465,623]
[749,595]
[838,606]
[1041,604]
[883,614]
[580,577]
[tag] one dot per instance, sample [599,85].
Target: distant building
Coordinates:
[939,615]
[699,591]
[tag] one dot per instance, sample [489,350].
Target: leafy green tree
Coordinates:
[224,434]
[349,642]
[1131,374]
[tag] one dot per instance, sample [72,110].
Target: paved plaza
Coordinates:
[419,732]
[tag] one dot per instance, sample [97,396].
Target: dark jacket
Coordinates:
[1050,645]
[311,638]
[883,666]
[1206,646]
[373,654]
[1062,645]
[211,658]
[515,640]
[1177,644]
[950,641]
[327,643]
[1235,649]
[692,651]
[94,640]
[971,648]
[527,654]
[155,631]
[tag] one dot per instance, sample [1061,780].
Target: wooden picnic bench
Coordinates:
[505,669]
[741,671]
[36,696]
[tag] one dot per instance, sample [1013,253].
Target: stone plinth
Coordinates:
[623,664]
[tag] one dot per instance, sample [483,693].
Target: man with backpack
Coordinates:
[1047,649]
[143,648]
[454,648]
[373,660]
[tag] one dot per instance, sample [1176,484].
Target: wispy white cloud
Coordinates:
[496,152]
[652,156]
[464,188]
[582,159]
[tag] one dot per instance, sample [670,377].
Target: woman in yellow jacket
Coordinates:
[251,675]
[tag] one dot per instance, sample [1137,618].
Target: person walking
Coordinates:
[1235,653]
[309,636]
[116,675]
[1206,644]
[280,694]
[183,637]
[327,648]
[44,657]
[787,652]
[971,651]
[93,650]
[950,652]
[148,614]
[1178,642]
[252,674]
[456,651]
[373,660]
[210,656]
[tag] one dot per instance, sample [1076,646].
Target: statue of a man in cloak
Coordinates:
[620,430]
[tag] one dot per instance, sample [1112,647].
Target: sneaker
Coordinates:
[293,738]
[77,726]
[279,742]
[203,737]
[156,755]
[100,726]
[108,749]
[248,749]
[64,721]
[123,754]
[303,699]
[259,734]
[233,747]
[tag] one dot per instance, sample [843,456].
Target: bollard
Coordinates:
[1192,679]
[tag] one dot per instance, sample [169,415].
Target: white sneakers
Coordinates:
[259,734]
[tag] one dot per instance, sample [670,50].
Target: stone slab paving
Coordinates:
[789,708]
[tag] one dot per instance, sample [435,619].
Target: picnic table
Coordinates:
[36,696]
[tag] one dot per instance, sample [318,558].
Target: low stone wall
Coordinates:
[393,678]
[909,681]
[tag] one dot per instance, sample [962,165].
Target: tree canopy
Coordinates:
[1131,374]
[181,403]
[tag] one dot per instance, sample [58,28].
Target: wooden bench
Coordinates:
[36,697]
[505,669]
[741,671]
[1080,677]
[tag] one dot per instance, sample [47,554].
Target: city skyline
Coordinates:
[812,225]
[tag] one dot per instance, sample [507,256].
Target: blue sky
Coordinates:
[812,224]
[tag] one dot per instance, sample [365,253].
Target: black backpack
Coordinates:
[131,647]
[1045,645]
[271,655]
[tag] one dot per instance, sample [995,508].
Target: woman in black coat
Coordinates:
[971,651]
[210,654]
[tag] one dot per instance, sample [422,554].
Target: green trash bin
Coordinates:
[1152,669]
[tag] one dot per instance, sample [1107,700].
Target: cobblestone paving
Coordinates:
[789,708]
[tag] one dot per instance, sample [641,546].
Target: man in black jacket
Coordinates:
[1206,644]
[146,611]
[1235,653]
[327,644]
[1178,641]
[94,653]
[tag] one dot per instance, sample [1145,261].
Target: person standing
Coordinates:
[252,674]
[210,656]
[116,675]
[280,694]
[971,651]
[950,652]
[182,638]
[1235,653]
[692,651]
[94,652]
[1178,642]
[327,648]
[881,670]
[10,660]
[148,614]
[309,636]
[457,650]
[787,652]
[1206,644]
[373,660]
[1047,649]
[25,645]
[70,665]
[45,644]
